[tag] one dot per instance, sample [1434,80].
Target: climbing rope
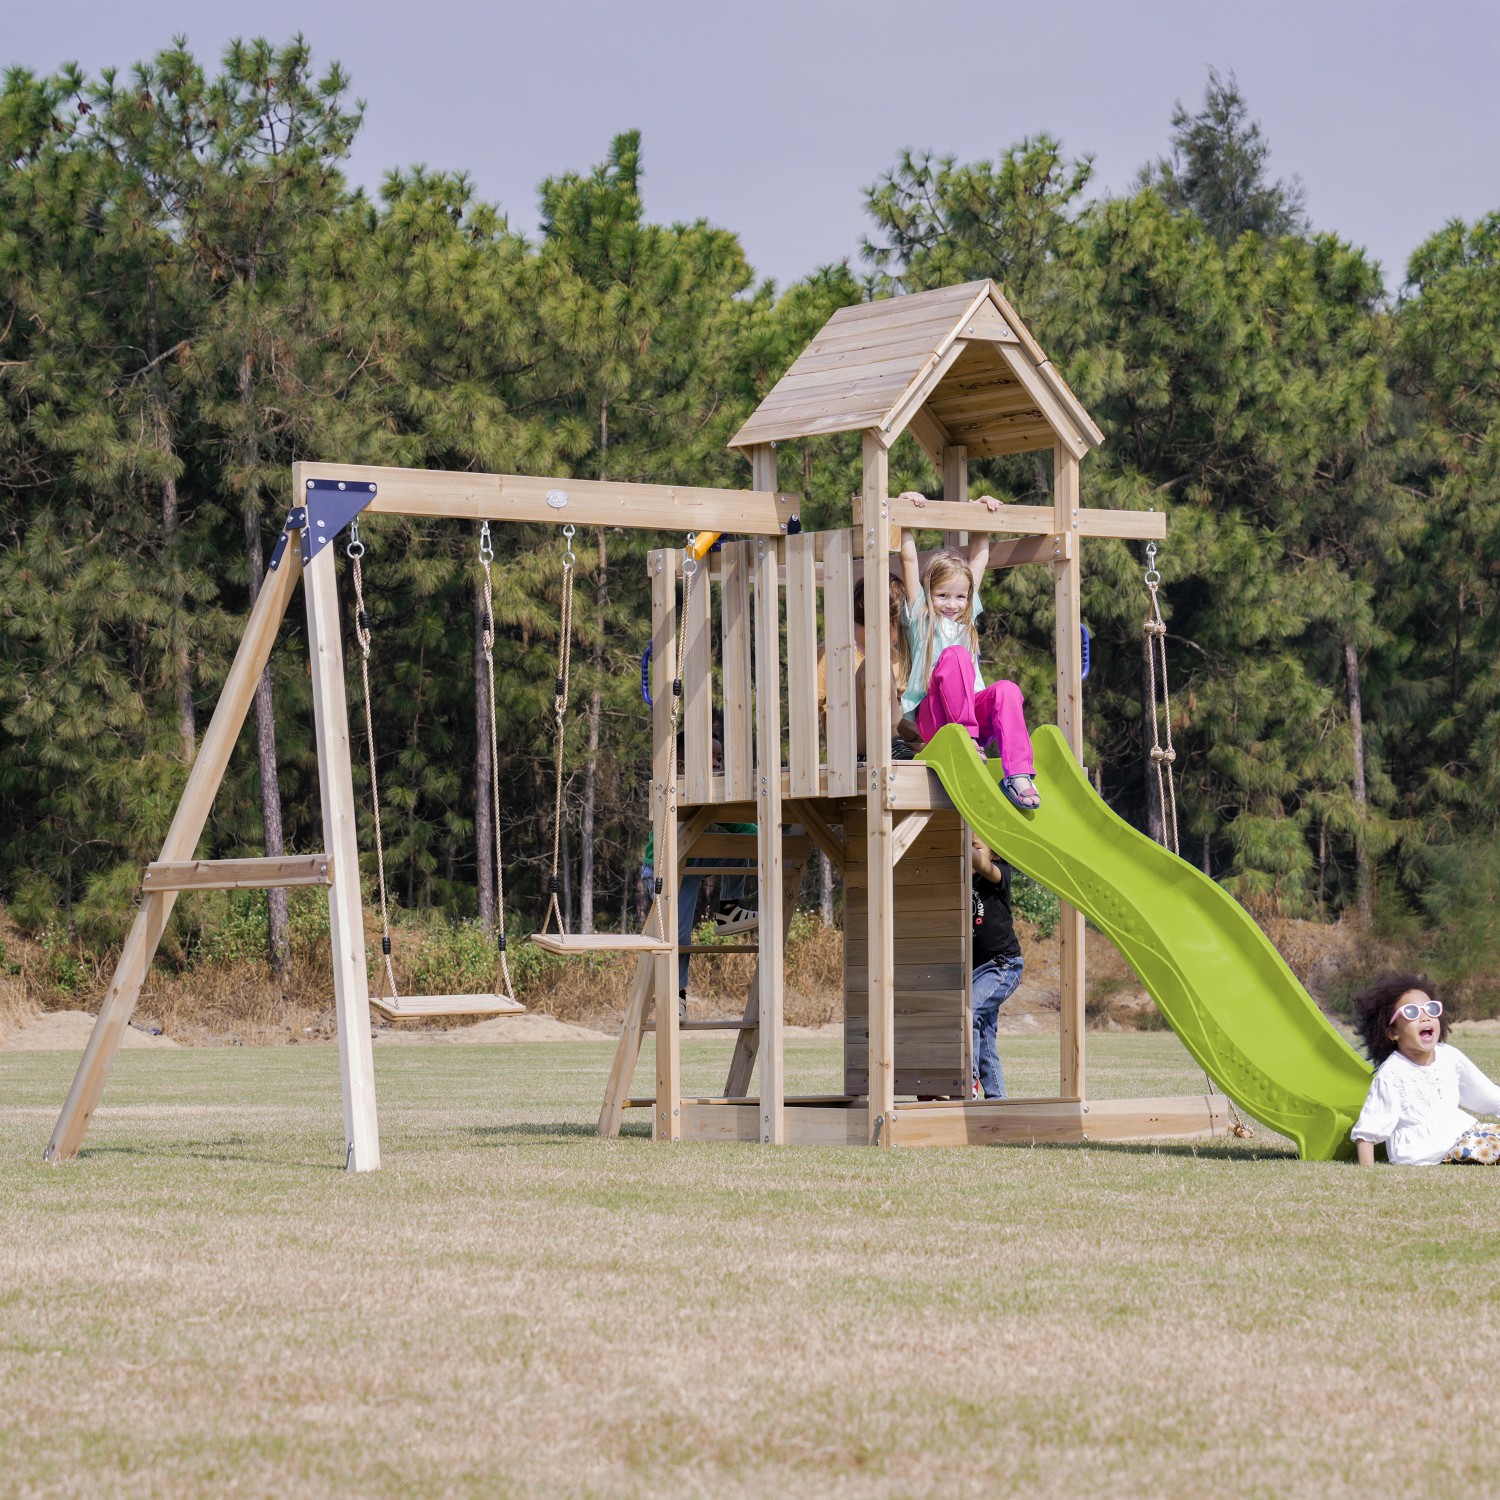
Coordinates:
[355,550]
[1164,756]
[486,557]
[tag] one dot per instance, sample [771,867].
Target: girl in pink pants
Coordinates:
[945,685]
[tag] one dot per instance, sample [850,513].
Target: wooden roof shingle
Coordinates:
[959,353]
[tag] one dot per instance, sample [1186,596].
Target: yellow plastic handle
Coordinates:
[702,544]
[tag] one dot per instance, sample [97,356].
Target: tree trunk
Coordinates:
[278,934]
[1156,820]
[278,930]
[825,889]
[567,881]
[171,540]
[1322,866]
[1357,736]
[182,668]
[484,826]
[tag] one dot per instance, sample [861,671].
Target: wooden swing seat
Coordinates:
[570,945]
[417,1007]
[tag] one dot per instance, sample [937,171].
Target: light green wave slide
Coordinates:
[1214,975]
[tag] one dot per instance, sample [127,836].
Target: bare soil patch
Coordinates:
[68,1031]
[239,1005]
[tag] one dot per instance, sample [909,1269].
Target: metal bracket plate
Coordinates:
[331,504]
[296,520]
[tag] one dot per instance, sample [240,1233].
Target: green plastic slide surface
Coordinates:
[1215,976]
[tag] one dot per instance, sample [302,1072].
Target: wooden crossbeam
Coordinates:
[238,874]
[721,1023]
[1026,520]
[581,502]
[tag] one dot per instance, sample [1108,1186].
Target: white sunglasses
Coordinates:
[1432,1008]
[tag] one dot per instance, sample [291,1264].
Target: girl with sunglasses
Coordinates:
[1422,1086]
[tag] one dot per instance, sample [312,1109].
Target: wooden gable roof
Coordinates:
[956,365]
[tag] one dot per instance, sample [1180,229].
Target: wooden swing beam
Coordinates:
[423,493]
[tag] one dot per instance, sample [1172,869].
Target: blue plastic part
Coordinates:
[1087,639]
[646,675]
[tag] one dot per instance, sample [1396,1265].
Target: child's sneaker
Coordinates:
[735,918]
[900,750]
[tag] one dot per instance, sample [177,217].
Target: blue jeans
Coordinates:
[731,889]
[994,984]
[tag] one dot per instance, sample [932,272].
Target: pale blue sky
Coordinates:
[770,117]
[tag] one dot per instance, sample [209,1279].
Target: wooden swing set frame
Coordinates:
[973,383]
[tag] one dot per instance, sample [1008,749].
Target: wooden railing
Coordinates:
[815,613]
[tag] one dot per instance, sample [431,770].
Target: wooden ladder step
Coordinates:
[238,874]
[411,1007]
[719,948]
[816,1100]
[570,945]
[720,1023]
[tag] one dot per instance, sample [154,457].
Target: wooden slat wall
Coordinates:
[697,688]
[802,664]
[932,925]
[739,724]
[838,636]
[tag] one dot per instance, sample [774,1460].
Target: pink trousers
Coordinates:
[994,713]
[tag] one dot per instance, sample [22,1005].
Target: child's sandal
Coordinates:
[1020,790]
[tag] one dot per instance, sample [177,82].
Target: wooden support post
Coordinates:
[746,1048]
[346,922]
[955,485]
[638,1002]
[875,541]
[1067,590]
[667,1117]
[628,1048]
[180,844]
[772,962]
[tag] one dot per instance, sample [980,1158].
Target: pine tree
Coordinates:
[1217,170]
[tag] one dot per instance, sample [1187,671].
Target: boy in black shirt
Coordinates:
[997,963]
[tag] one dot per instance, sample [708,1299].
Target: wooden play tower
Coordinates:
[958,370]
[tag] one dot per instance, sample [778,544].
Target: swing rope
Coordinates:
[355,550]
[486,557]
[560,708]
[1163,756]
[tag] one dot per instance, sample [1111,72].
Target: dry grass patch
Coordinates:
[206,1303]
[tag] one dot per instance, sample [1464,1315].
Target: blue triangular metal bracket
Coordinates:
[331,505]
[296,519]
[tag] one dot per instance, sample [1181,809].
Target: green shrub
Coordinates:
[1034,902]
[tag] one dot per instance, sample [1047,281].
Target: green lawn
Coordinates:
[205,1303]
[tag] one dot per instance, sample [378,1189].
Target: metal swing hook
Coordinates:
[1152,576]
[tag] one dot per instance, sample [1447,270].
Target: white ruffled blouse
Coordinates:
[1417,1109]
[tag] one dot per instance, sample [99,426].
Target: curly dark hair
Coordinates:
[1374,1005]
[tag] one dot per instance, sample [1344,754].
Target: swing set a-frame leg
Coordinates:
[180,844]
